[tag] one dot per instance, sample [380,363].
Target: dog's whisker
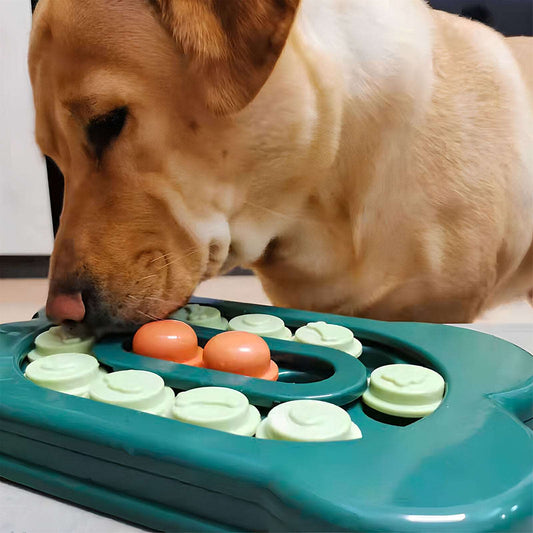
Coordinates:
[164,256]
[141,297]
[148,315]
[156,299]
[146,277]
[190,252]
[166,265]
[177,260]
[186,253]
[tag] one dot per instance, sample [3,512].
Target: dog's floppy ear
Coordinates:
[230,46]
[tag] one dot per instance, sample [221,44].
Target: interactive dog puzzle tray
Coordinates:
[437,439]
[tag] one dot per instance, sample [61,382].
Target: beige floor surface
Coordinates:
[20,298]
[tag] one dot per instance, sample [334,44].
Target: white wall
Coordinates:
[25,220]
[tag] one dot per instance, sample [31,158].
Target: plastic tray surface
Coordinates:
[466,467]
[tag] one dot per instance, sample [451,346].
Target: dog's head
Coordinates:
[171,161]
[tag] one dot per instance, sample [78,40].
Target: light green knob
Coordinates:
[262,325]
[201,315]
[308,421]
[59,340]
[331,335]
[134,389]
[217,408]
[408,391]
[71,373]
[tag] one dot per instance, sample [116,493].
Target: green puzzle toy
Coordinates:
[466,466]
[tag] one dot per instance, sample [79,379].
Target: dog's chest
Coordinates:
[311,267]
[332,264]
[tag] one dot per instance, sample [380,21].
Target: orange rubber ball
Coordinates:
[240,352]
[168,339]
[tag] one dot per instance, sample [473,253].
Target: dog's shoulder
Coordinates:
[522,49]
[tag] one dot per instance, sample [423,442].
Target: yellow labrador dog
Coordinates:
[364,157]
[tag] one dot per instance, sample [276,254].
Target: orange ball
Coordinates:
[240,352]
[170,340]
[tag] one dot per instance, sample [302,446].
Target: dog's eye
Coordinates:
[102,130]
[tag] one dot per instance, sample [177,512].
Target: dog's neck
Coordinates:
[357,107]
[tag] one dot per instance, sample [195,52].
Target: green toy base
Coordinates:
[466,467]
[103,500]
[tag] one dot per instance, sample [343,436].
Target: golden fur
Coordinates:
[364,157]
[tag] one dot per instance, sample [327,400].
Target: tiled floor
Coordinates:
[20,298]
